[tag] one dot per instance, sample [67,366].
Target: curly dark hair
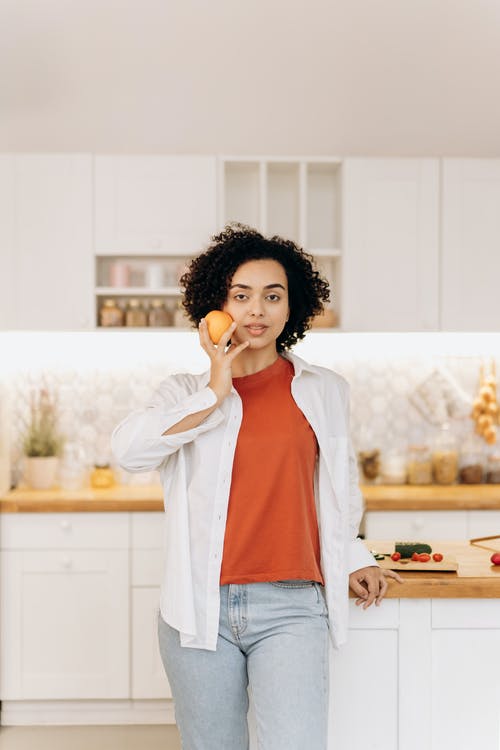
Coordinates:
[208,278]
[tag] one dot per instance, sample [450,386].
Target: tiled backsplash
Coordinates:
[99,378]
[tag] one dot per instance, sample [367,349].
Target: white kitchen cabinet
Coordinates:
[470,244]
[297,198]
[152,205]
[64,603]
[51,267]
[423,525]
[390,267]
[148,675]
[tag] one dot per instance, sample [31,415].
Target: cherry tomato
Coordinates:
[424,557]
[495,558]
[415,557]
[396,556]
[437,556]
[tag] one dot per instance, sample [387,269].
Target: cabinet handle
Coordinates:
[65,525]
[66,562]
[418,524]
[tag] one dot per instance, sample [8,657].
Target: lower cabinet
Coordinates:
[64,601]
[430,524]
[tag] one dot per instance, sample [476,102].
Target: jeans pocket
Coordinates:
[293,583]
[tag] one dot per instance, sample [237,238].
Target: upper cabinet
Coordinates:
[47,240]
[151,205]
[390,268]
[470,245]
[297,198]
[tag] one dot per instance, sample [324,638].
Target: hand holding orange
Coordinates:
[217,322]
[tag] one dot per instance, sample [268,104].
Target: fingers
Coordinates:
[224,339]
[367,584]
[393,574]
[382,590]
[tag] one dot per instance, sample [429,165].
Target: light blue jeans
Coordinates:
[273,639]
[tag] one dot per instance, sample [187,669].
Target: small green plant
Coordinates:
[42,437]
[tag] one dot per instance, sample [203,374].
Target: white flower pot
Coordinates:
[40,472]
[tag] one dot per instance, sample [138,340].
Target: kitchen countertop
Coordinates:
[431,497]
[121,498]
[476,577]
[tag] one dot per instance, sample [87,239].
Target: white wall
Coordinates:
[391,77]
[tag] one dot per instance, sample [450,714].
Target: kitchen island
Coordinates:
[80,574]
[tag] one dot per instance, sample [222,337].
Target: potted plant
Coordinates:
[42,442]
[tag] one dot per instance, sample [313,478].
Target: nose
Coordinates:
[256,308]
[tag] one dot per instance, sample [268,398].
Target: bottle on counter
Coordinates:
[158,315]
[110,314]
[419,465]
[445,457]
[471,464]
[135,315]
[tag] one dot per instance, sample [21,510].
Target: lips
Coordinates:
[256,329]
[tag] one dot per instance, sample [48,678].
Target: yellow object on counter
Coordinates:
[102,477]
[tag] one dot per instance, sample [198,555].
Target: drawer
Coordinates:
[415,524]
[484,523]
[147,567]
[64,531]
[465,613]
[148,530]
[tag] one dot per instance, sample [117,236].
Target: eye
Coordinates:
[240,296]
[275,297]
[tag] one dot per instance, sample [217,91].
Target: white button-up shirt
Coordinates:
[195,469]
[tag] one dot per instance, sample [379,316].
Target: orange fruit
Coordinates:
[217,323]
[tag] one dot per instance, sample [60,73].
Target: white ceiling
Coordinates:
[373,77]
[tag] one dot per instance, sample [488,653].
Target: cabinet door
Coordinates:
[471,238]
[390,277]
[410,524]
[148,675]
[53,275]
[153,204]
[64,625]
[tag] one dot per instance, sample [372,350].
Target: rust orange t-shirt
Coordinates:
[272,529]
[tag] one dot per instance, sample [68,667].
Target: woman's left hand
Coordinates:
[370,584]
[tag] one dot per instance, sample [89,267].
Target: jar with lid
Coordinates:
[158,315]
[102,477]
[493,468]
[393,468]
[471,465]
[110,314]
[181,319]
[369,462]
[419,465]
[445,457]
[135,314]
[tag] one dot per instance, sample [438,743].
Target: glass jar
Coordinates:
[158,315]
[393,468]
[445,457]
[181,319]
[110,315]
[471,466]
[72,467]
[369,462]
[419,465]
[135,315]
[493,469]
[102,477]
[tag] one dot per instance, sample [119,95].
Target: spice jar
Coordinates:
[472,462]
[181,319]
[158,315]
[110,315]
[445,457]
[419,464]
[393,469]
[102,477]
[493,469]
[370,464]
[135,315]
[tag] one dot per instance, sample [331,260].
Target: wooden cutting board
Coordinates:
[447,565]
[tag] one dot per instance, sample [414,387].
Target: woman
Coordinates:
[262,505]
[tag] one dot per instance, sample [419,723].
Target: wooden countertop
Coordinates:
[121,498]
[431,497]
[476,577]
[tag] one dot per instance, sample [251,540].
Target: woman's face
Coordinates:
[258,302]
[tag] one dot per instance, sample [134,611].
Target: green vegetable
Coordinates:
[406,549]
